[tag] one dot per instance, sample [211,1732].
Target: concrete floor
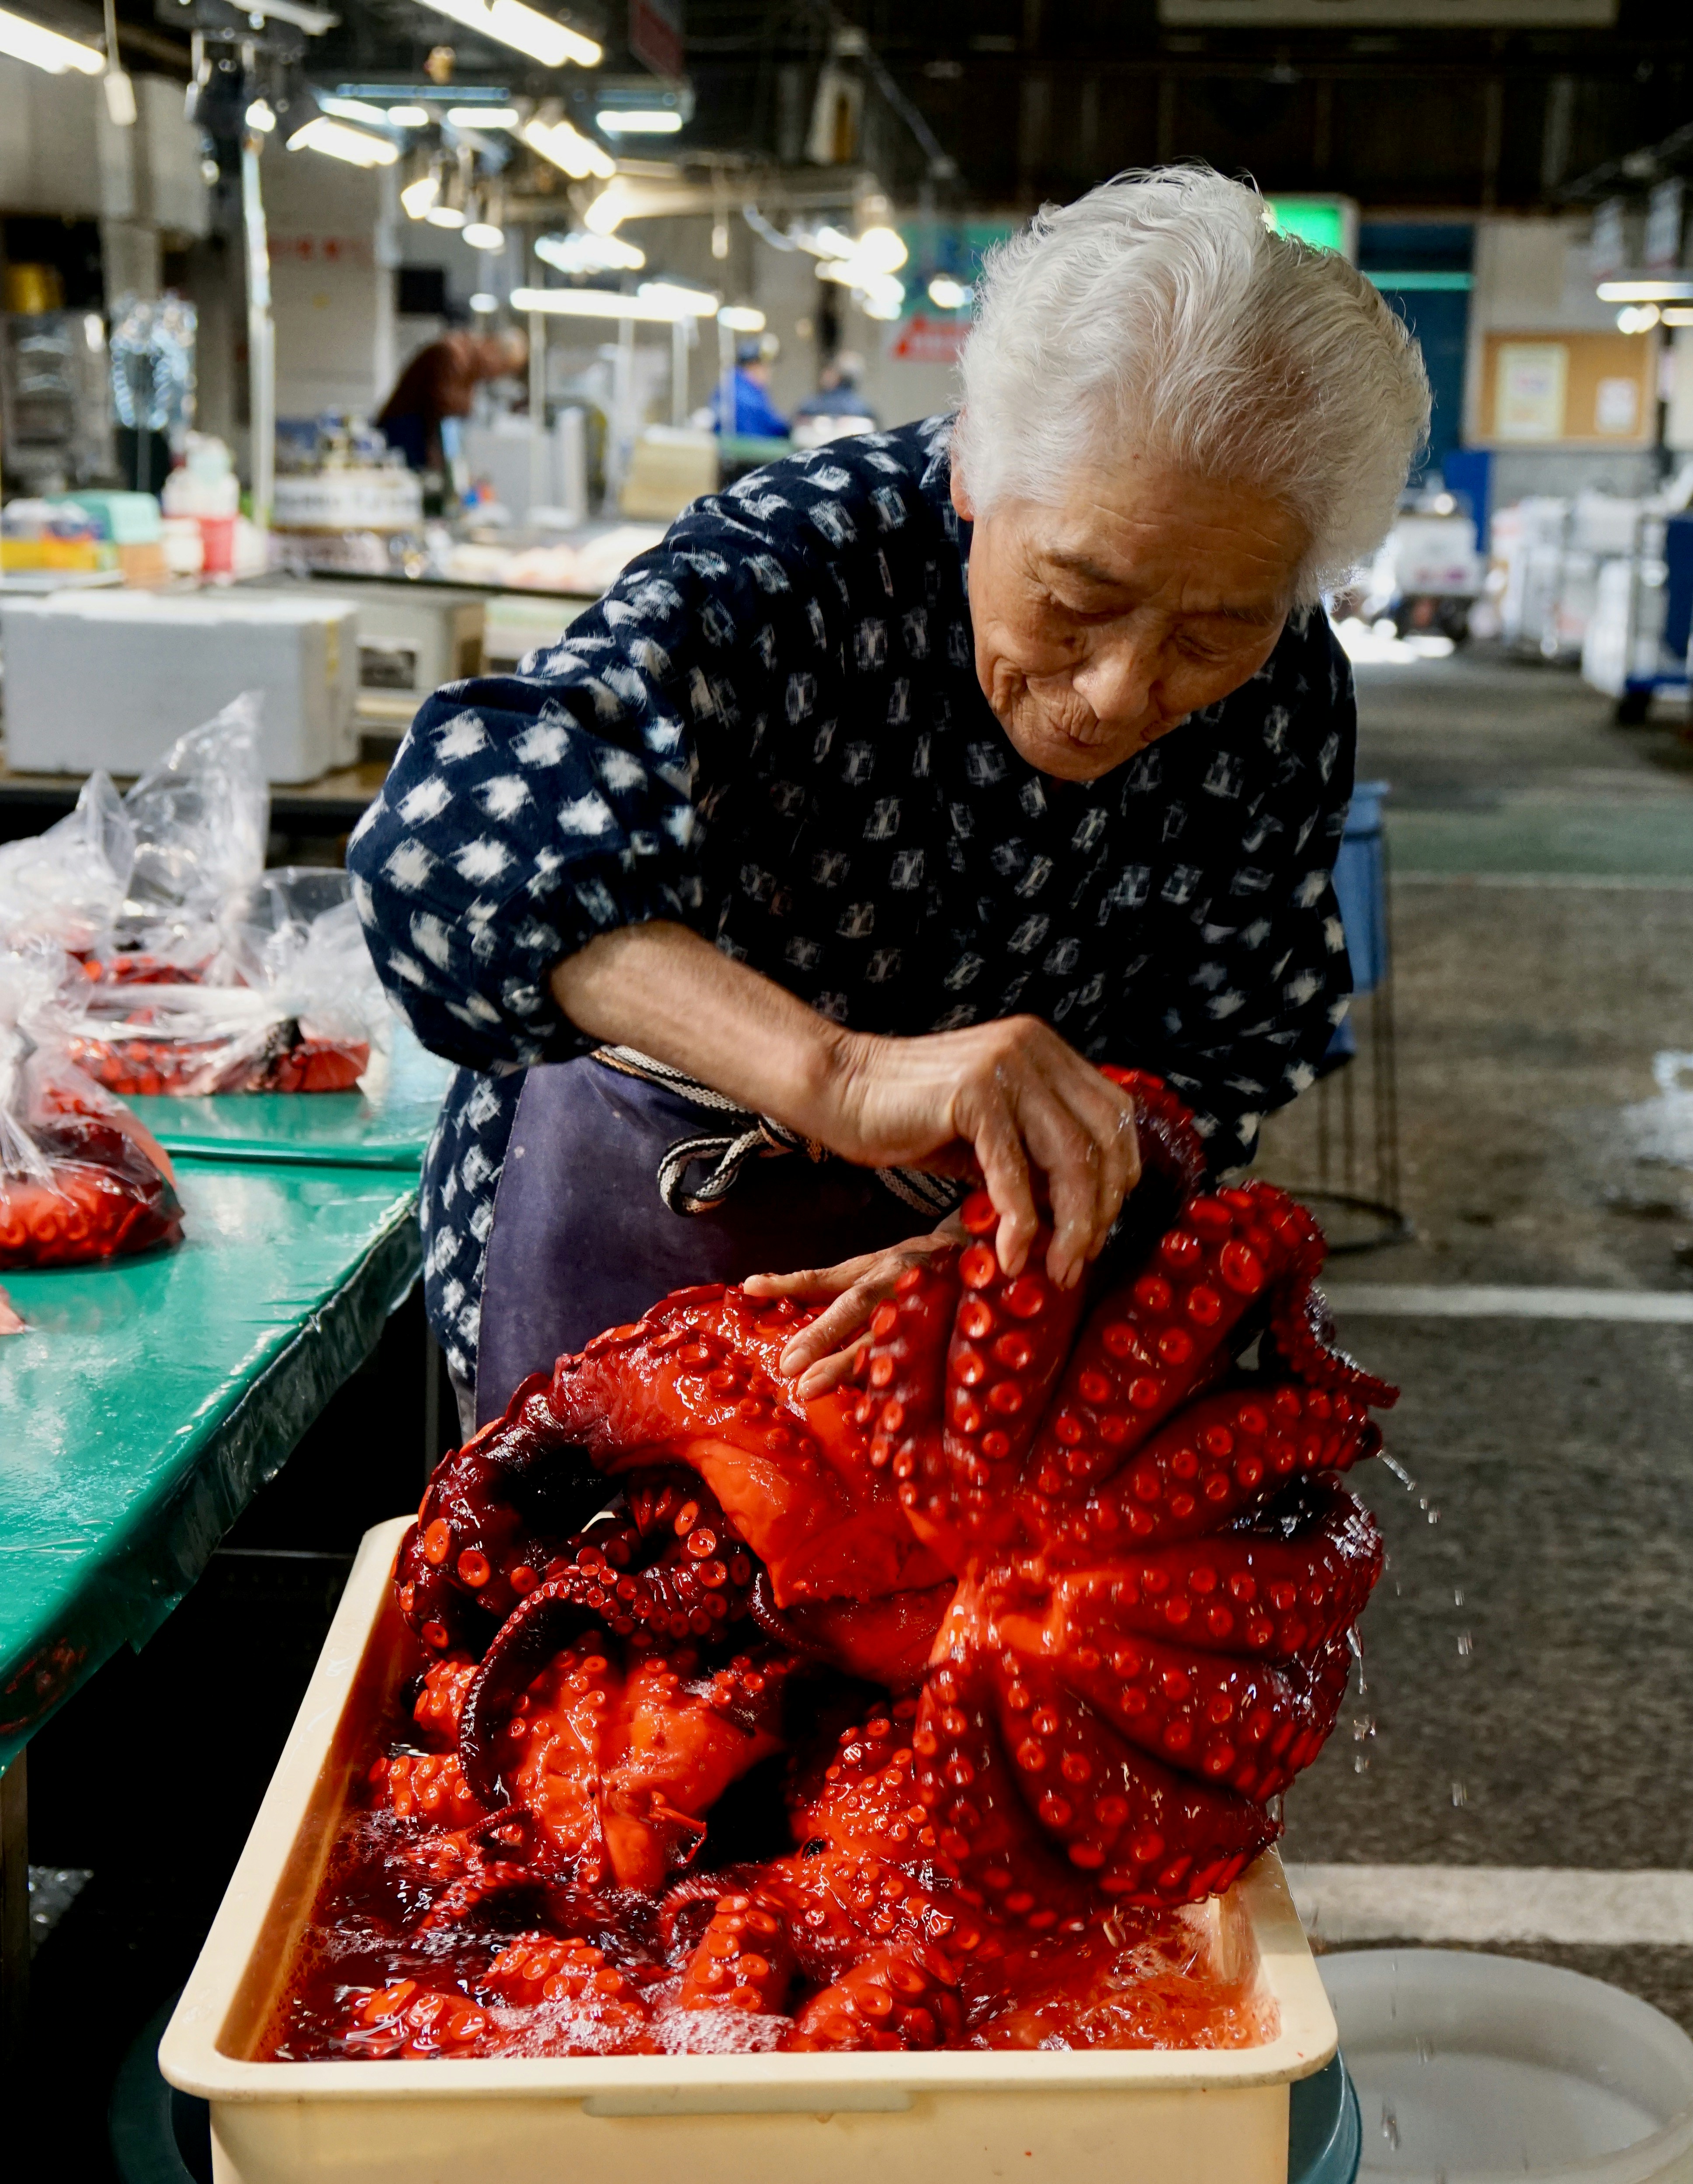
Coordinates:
[1529,1702]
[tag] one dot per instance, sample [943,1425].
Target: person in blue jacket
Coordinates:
[755,417]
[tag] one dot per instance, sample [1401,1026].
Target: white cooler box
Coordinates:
[112,678]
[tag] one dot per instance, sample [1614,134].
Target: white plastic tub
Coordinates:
[1481,2069]
[1155,2117]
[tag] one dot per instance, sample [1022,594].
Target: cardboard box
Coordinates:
[112,678]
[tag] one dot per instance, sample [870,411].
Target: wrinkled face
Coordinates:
[1103,622]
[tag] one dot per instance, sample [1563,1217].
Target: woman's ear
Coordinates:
[960,495]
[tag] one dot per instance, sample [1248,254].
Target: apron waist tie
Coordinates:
[742,1136]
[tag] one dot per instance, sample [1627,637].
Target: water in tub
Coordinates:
[430,1936]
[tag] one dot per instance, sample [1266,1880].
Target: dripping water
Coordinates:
[1390,2125]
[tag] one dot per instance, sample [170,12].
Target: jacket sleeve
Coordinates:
[1246,1030]
[525,814]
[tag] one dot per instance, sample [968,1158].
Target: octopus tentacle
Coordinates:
[744,1958]
[1134,1825]
[1301,1331]
[697,1383]
[489,1520]
[1296,1576]
[892,1998]
[1156,1341]
[1219,1459]
[1164,1124]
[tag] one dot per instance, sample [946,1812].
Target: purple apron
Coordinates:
[583,1240]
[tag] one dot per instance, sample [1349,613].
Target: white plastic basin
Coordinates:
[1482,2070]
[1163,2116]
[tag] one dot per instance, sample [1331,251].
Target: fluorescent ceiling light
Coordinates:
[483,235]
[687,303]
[568,149]
[484,303]
[1646,291]
[442,216]
[409,117]
[356,109]
[418,197]
[524,29]
[338,142]
[947,294]
[598,303]
[880,250]
[120,107]
[881,296]
[589,254]
[42,48]
[613,205]
[741,319]
[313,21]
[260,117]
[639,121]
[1678,316]
[482,117]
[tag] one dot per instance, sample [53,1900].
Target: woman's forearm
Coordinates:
[661,989]
[999,1098]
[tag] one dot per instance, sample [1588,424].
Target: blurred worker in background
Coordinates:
[436,389]
[753,415]
[839,407]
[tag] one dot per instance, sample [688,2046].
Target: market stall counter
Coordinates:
[384,1124]
[144,1404]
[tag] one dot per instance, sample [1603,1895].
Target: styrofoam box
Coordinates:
[1151,2116]
[112,679]
[412,638]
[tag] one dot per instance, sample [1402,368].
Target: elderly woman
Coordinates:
[898,787]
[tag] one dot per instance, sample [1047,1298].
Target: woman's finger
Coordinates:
[828,1373]
[855,1288]
[813,1283]
[1069,1156]
[832,1328]
[1006,1177]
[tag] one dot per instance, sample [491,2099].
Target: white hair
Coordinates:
[1159,313]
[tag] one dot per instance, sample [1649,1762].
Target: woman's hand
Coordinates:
[824,1354]
[1002,1098]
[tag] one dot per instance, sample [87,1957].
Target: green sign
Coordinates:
[1323,222]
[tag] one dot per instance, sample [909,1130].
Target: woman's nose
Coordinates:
[1118,679]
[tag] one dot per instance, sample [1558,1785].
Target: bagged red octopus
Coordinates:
[289,1002]
[80,1179]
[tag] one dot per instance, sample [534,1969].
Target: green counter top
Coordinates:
[147,1402]
[388,1127]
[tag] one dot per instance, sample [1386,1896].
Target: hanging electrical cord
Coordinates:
[120,91]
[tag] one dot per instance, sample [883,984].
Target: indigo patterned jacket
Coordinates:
[770,729]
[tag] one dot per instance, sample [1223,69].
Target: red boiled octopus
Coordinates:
[1106,1574]
[101,1189]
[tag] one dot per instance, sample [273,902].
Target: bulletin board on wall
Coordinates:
[1569,390]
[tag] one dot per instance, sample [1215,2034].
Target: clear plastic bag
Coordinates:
[290,1002]
[134,886]
[69,884]
[80,1179]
